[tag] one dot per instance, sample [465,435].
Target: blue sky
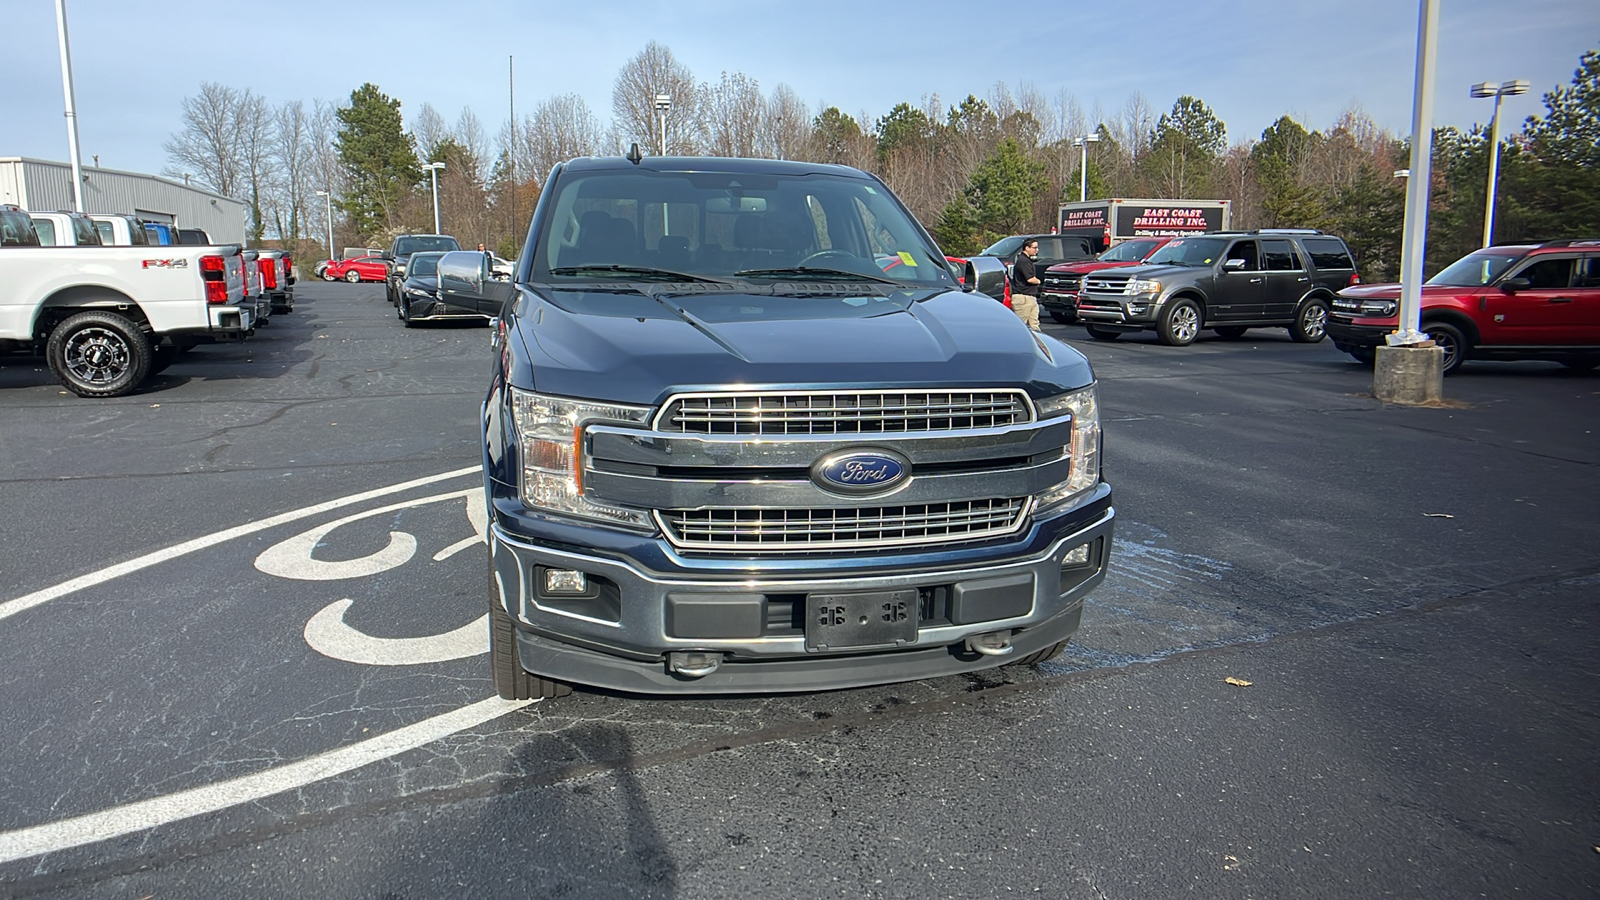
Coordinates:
[1250,60]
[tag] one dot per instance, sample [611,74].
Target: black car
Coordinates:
[1053,249]
[399,254]
[1228,282]
[420,300]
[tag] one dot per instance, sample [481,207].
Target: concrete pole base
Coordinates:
[1410,375]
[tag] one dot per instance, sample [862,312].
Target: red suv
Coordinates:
[1503,302]
[1059,285]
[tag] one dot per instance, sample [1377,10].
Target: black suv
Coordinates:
[1053,249]
[1226,281]
[400,252]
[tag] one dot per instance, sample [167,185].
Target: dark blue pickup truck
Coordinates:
[746,432]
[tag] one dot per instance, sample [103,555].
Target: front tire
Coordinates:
[352,276]
[1363,355]
[99,354]
[1180,323]
[1102,334]
[328,276]
[511,680]
[1311,324]
[1061,318]
[1452,340]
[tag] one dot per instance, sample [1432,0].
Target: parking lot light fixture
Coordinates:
[1083,163]
[1497,91]
[433,169]
[663,104]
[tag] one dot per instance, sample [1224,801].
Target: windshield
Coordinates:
[1475,270]
[409,245]
[1003,247]
[762,227]
[1188,252]
[424,264]
[1127,251]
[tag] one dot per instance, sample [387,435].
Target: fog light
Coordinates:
[565,581]
[1077,556]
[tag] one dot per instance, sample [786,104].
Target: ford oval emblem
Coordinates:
[861,471]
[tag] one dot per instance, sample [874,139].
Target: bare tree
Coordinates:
[785,125]
[208,146]
[428,130]
[255,123]
[730,115]
[323,169]
[470,135]
[633,102]
[291,155]
[559,129]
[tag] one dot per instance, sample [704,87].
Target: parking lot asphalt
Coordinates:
[217,590]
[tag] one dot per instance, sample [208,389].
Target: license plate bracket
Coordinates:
[861,620]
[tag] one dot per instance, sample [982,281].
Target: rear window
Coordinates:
[16,230]
[83,228]
[409,245]
[1003,247]
[1329,253]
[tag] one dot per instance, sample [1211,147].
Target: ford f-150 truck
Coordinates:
[745,432]
[106,317]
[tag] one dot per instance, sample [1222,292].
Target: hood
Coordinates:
[429,283]
[632,349]
[1088,265]
[1145,270]
[1392,291]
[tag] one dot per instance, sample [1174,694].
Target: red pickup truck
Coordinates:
[1517,301]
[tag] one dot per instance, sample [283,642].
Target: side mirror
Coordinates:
[1233,265]
[386,255]
[1512,285]
[461,273]
[985,275]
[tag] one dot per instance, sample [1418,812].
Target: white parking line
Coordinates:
[328,634]
[120,820]
[28,601]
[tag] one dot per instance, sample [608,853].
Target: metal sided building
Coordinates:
[42,186]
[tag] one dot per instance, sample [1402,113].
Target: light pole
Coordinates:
[1497,91]
[1083,163]
[663,103]
[329,194]
[433,169]
[72,106]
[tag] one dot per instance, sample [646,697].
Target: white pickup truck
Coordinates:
[107,317]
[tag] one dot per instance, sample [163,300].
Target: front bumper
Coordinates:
[430,309]
[1346,332]
[754,622]
[1134,311]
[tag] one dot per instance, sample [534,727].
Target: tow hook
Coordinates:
[693,663]
[995,643]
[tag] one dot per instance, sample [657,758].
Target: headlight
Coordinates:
[1085,448]
[1381,308]
[550,435]
[1140,286]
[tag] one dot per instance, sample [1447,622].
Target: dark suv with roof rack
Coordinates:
[1516,301]
[1228,282]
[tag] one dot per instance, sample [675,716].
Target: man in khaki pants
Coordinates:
[1024,282]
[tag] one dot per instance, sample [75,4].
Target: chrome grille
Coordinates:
[851,412]
[801,530]
[1106,284]
[1064,282]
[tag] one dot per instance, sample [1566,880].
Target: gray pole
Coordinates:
[1083,173]
[330,223]
[435,173]
[72,112]
[1414,243]
[1494,167]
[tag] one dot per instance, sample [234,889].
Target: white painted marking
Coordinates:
[457,547]
[330,635]
[293,557]
[126,819]
[28,601]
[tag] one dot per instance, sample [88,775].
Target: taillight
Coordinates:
[214,273]
[1007,300]
[1355,279]
[269,273]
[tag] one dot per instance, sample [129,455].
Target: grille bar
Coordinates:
[851,412]
[802,530]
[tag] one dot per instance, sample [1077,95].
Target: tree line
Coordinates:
[972,171]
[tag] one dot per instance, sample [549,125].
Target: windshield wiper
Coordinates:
[813,271]
[637,271]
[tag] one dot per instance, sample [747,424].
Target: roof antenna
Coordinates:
[634,156]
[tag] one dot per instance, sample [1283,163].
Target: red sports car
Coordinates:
[362,268]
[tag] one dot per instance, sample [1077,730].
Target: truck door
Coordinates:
[1286,279]
[1237,293]
[1546,313]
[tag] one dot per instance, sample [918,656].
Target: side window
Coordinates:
[1329,253]
[47,232]
[1050,248]
[1278,256]
[106,237]
[1548,272]
[1588,274]
[1245,250]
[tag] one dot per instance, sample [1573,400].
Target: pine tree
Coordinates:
[379,157]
